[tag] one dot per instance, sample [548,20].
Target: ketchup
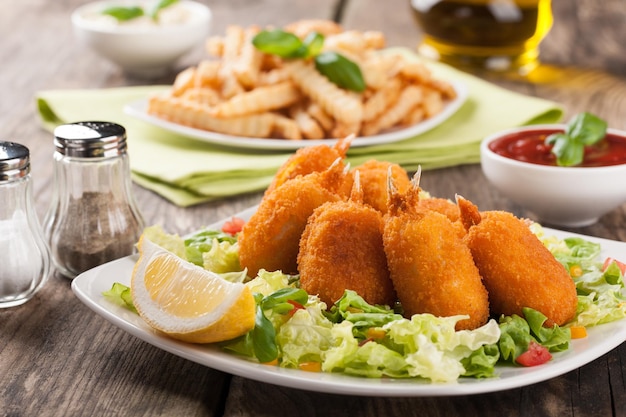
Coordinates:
[531,147]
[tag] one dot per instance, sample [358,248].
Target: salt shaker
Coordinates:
[24,256]
[93,218]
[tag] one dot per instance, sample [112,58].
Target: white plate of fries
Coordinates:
[139,109]
[248,95]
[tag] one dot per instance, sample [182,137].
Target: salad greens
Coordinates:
[337,68]
[294,329]
[582,130]
[124,14]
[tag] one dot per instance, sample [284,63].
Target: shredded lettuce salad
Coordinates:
[294,329]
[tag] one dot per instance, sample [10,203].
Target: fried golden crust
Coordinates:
[270,239]
[440,205]
[432,270]
[518,270]
[311,159]
[374,180]
[342,248]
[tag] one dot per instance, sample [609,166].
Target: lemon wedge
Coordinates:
[186,301]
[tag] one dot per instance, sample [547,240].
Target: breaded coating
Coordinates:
[440,205]
[517,269]
[374,177]
[270,239]
[311,159]
[342,248]
[432,270]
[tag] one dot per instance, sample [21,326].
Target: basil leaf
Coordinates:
[340,70]
[264,337]
[569,147]
[587,128]
[124,13]
[568,152]
[278,42]
[160,6]
[314,42]
[282,296]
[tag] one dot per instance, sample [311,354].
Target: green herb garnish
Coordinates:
[340,70]
[583,130]
[337,68]
[160,6]
[124,14]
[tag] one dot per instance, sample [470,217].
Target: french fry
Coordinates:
[274,76]
[350,41]
[285,127]
[202,95]
[207,74]
[259,100]
[340,104]
[248,63]
[382,99]
[232,45]
[301,28]
[214,46]
[320,116]
[309,127]
[342,130]
[416,71]
[184,80]
[374,39]
[194,115]
[409,98]
[414,116]
[445,88]
[433,103]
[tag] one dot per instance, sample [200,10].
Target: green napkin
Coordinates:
[187,171]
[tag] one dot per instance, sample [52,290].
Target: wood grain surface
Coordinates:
[57,358]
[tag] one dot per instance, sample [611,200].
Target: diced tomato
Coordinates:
[608,261]
[296,306]
[233,226]
[535,355]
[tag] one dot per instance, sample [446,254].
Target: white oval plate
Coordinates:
[139,109]
[90,285]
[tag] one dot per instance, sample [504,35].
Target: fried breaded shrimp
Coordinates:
[342,248]
[440,205]
[517,269]
[374,176]
[311,159]
[270,239]
[432,270]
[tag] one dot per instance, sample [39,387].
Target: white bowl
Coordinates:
[562,196]
[142,47]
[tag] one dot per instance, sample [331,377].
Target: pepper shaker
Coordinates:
[93,218]
[24,256]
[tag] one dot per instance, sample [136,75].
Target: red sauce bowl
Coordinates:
[530,146]
[521,167]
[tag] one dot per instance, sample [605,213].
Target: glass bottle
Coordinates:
[24,256]
[93,218]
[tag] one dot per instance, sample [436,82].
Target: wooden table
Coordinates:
[57,358]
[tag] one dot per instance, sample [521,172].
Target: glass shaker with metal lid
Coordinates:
[24,257]
[93,217]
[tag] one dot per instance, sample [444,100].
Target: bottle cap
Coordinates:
[90,139]
[14,161]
